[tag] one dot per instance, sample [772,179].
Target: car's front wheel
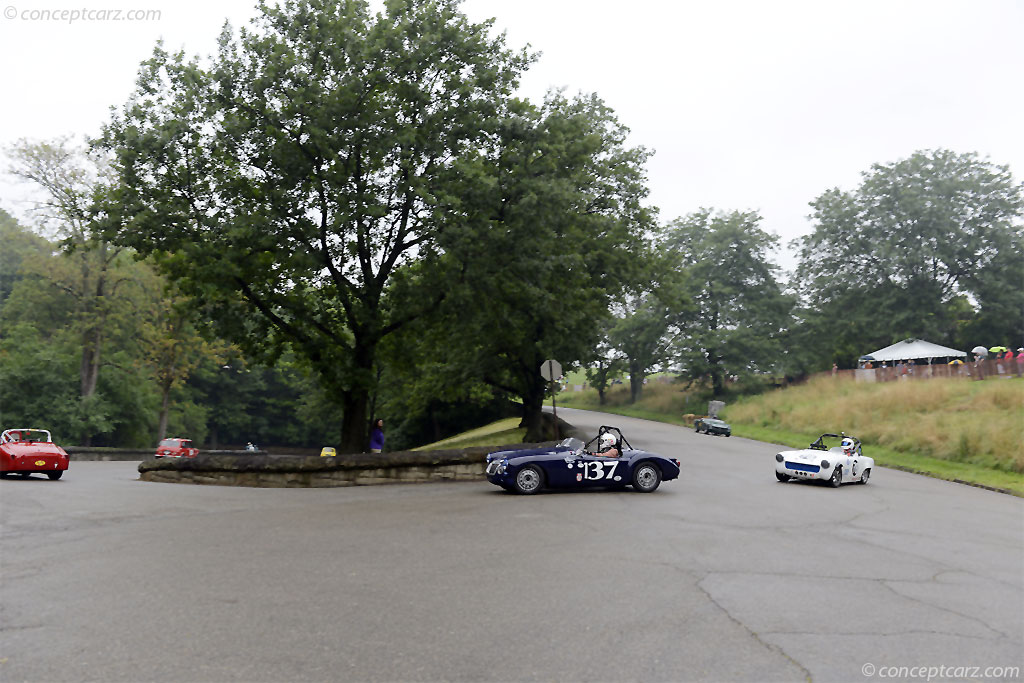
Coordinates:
[865,476]
[782,477]
[529,479]
[646,477]
[55,475]
[837,477]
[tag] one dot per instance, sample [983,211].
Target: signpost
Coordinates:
[552,370]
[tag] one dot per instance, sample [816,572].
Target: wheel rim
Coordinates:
[646,477]
[837,478]
[864,477]
[528,479]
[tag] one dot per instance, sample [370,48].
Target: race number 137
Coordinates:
[596,469]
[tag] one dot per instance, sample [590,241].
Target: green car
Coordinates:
[712,425]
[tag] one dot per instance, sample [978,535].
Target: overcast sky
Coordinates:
[748,104]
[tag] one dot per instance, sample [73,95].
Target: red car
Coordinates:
[24,451]
[176,448]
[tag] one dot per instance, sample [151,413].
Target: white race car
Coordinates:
[837,465]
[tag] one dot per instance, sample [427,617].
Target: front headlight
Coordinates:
[778,457]
[824,464]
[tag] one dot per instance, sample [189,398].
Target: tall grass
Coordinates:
[980,423]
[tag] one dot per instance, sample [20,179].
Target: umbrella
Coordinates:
[979,351]
[956,362]
[998,349]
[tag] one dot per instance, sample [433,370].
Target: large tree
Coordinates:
[739,309]
[896,257]
[289,181]
[554,231]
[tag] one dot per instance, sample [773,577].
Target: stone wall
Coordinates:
[267,471]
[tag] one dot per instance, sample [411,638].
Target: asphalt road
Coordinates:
[722,575]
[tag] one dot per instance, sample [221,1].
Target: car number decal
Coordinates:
[595,469]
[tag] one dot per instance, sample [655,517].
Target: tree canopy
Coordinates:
[286,184]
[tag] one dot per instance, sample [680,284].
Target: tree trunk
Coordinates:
[165,409]
[355,424]
[636,384]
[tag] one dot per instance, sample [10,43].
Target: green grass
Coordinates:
[953,429]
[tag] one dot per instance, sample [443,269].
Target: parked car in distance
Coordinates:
[24,451]
[712,425]
[176,448]
[328,452]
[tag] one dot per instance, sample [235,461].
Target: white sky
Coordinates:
[748,104]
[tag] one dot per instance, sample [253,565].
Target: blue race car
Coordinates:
[570,465]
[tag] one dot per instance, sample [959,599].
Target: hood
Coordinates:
[808,455]
[22,449]
[523,453]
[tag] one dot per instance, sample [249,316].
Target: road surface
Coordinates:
[722,575]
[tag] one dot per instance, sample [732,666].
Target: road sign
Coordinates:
[551,370]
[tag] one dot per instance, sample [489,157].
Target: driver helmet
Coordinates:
[607,440]
[848,446]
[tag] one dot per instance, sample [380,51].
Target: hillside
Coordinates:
[950,428]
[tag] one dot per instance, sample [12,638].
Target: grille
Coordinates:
[802,467]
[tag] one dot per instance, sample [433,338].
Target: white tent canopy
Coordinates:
[915,349]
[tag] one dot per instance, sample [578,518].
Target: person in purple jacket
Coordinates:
[377,436]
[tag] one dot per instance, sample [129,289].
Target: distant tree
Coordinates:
[893,258]
[93,275]
[606,365]
[740,311]
[287,183]
[19,243]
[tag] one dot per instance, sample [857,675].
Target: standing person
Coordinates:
[377,436]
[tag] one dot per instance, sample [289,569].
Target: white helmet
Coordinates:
[848,445]
[607,440]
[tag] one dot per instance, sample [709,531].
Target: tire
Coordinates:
[529,480]
[646,477]
[782,477]
[837,477]
[865,475]
[55,475]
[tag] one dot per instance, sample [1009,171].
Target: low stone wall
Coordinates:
[268,471]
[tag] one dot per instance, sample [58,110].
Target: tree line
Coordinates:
[343,215]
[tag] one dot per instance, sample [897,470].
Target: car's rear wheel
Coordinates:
[55,475]
[529,479]
[782,477]
[865,476]
[646,477]
[837,477]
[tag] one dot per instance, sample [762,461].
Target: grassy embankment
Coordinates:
[952,429]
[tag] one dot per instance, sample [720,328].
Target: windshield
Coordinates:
[170,443]
[29,435]
[571,443]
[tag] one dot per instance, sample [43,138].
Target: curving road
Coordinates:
[723,575]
